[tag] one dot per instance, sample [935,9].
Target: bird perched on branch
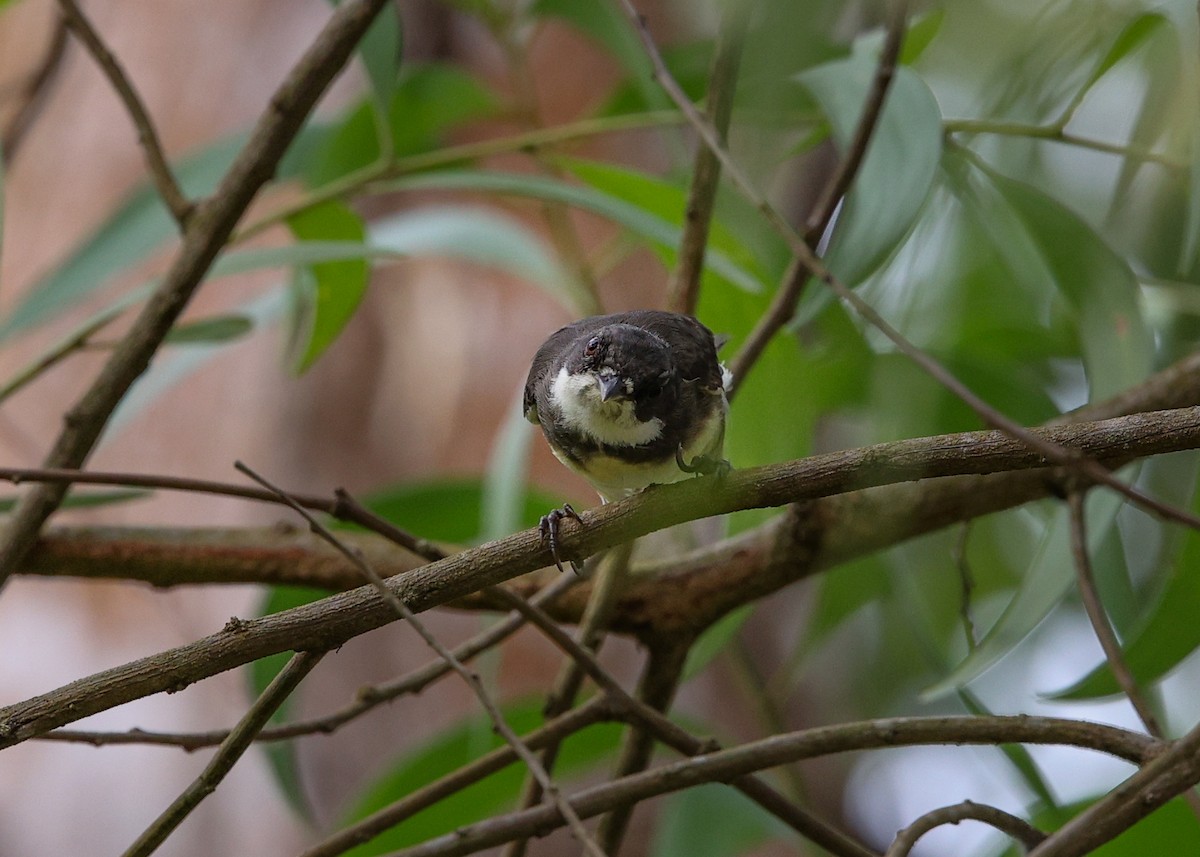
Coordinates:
[629,400]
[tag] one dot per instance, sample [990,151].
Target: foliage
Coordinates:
[1028,213]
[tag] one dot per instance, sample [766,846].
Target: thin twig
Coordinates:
[1015,826]
[1160,778]
[232,748]
[1101,627]
[656,690]
[366,699]
[684,288]
[472,680]
[671,734]
[35,92]
[787,296]
[594,711]
[726,765]
[613,568]
[1106,634]
[206,233]
[172,194]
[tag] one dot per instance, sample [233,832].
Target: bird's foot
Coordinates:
[702,465]
[548,529]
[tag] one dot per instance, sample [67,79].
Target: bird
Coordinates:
[629,400]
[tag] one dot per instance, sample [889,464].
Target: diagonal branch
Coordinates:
[332,621]
[684,288]
[206,233]
[180,206]
[232,748]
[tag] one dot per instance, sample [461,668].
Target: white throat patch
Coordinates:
[613,422]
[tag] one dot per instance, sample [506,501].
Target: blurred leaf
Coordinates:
[1097,284]
[689,64]
[380,51]
[338,286]
[506,483]
[667,201]
[281,755]
[654,229]
[455,748]
[1133,36]
[428,101]
[920,33]
[712,820]
[449,510]
[897,173]
[478,235]
[1171,830]
[1047,580]
[1166,635]
[136,229]
[214,329]
[87,499]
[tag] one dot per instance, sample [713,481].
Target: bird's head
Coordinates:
[620,363]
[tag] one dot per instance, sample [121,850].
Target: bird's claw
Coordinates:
[548,529]
[702,465]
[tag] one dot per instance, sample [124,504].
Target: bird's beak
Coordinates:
[610,385]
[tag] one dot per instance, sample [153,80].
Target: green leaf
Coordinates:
[657,231]
[1134,35]
[712,820]
[428,102]
[454,748]
[506,483]
[1170,830]
[339,286]
[477,235]
[919,34]
[668,201]
[1052,244]
[214,329]
[1045,583]
[897,173]
[449,510]
[137,228]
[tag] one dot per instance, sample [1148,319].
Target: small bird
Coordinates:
[629,400]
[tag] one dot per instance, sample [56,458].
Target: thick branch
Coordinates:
[330,622]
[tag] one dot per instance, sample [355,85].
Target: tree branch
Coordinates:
[177,203]
[684,287]
[724,765]
[232,748]
[1015,826]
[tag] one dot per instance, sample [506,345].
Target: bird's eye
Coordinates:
[592,347]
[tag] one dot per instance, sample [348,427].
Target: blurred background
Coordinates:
[1028,214]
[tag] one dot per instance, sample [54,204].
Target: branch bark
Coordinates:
[330,622]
